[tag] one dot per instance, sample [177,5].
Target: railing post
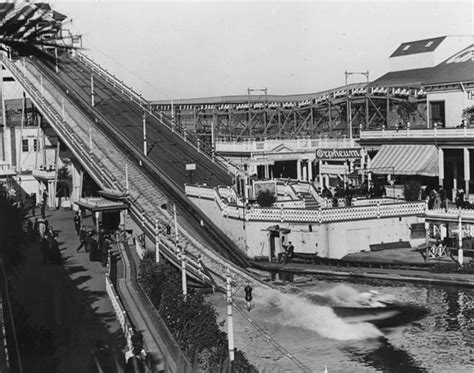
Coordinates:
[157,242]
[183,274]
[230,324]
[378,209]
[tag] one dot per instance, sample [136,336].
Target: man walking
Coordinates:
[77,223]
[82,239]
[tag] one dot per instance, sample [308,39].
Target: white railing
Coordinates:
[269,145]
[138,247]
[337,214]
[451,213]
[57,121]
[418,133]
[371,201]
[7,169]
[200,191]
[366,209]
[163,119]
[44,174]
[119,310]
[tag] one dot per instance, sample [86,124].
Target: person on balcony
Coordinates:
[443,198]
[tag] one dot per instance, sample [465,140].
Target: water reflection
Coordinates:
[384,357]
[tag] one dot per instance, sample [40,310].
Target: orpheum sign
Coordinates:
[348,153]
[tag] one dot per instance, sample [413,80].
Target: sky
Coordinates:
[172,50]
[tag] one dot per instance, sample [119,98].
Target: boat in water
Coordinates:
[385,315]
[380,310]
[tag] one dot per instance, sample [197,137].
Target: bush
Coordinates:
[468,114]
[412,190]
[12,236]
[192,322]
[266,198]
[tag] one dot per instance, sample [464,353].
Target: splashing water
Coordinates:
[296,310]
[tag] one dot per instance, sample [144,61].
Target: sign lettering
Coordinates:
[328,154]
[462,56]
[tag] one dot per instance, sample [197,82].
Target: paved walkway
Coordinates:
[68,299]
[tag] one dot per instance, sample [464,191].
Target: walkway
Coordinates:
[398,256]
[70,300]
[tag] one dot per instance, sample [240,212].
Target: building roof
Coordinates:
[455,69]
[405,78]
[418,46]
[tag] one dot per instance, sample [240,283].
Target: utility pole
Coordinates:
[157,242]
[126,179]
[92,91]
[175,227]
[460,250]
[144,133]
[183,274]
[349,108]
[230,323]
[90,139]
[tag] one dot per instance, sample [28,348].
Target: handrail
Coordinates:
[321,215]
[163,119]
[76,145]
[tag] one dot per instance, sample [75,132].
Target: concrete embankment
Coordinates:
[416,276]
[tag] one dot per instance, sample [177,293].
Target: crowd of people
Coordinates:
[348,191]
[96,244]
[47,238]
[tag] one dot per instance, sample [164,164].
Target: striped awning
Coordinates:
[406,160]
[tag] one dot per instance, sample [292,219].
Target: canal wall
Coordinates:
[332,233]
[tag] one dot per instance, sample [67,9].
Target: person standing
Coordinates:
[82,239]
[93,249]
[44,249]
[43,204]
[77,223]
[33,204]
[289,252]
[248,296]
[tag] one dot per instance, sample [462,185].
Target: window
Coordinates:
[429,44]
[35,145]
[24,145]
[406,47]
[437,114]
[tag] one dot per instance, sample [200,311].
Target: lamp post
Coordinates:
[230,324]
[460,250]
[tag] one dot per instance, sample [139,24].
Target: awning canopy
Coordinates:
[406,160]
[95,204]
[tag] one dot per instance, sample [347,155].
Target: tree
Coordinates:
[266,198]
[468,115]
[64,184]
[405,109]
